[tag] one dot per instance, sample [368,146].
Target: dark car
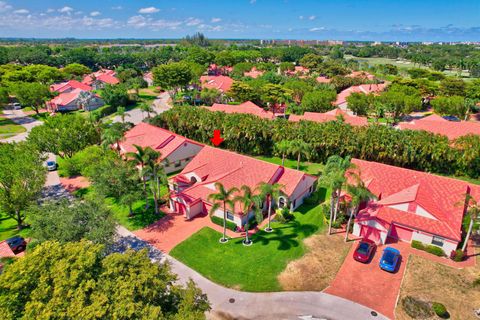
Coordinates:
[390,259]
[451,118]
[17,244]
[364,251]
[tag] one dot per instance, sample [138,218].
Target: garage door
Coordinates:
[401,233]
[370,233]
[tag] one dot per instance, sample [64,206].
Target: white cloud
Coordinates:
[215,20]
[317,29]
[300,17]
[21,11]
[50,10]
[117,8]
[65,9]
[206,27]
[192,22]
[146,22]
[4,6]
[312,18]
[95,13]
[148,10]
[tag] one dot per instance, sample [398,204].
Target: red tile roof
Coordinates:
[222,83]
[104,75]
[72,84]
[323,80]
[361,74]
[253,73]
[331,116]
[298,70]
[235,170]
[5,251]
[159,139]
[363,88]
[246,107]
[65,98]
[438,196]
[439,125]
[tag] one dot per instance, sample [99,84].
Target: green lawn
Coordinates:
[253,268]
[8,128]
[141,219]
[8,228]
[308,167]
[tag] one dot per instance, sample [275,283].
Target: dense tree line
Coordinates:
[251,135]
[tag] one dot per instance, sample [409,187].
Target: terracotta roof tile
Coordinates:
[439,125]
[331,116]
[222,83]
[246,107]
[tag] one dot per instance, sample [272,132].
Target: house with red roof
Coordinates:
[361,74]
[221,83]
[298,70]
[341,101]
[323,79]
[148,77]
[331,115]
[438,125]
[216,70]
[247,107]
[69,86]
[75,100]
[191,188]
[176,151]
[99,79]
[412,205]
[253,73]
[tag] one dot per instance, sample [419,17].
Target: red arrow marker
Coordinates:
[217,139]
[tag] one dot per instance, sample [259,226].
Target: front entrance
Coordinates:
[370,233]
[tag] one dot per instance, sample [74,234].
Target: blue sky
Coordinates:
[382,20]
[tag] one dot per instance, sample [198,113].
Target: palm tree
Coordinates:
[112,136]
[333,177]
[473,210]
[248,201]
[146,108]
[122,113]
[358,193]
[283,147]
[156,174]
[222,197]
[269,192]
[140,158]
[300,147]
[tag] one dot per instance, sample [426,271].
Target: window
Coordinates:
[438,241]
[188,159]
[310,189]
[294,203]
[230,216]
[281,202]
[178,163]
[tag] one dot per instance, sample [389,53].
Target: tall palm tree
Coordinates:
[248,201]
[269,192]
[145,107]
[112,136]
[358,193]
[223,197]
[122,113]
[333,177]
[140,158]
[283,147]
[300,147]
[156,173]
[473,210]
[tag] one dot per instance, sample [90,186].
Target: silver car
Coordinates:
[51,165]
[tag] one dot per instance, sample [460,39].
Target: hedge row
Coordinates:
[428,248]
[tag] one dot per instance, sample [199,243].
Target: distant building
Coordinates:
[76,99]
[99,79]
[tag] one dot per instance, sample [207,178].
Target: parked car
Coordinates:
[15,106]
[51,165]
[17,244]
[365,250]
[390,259]
[451,118]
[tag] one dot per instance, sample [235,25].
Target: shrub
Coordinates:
[457,255]
[104,111]
[415,308]
[440,310]
[313,199]
[418,245]
[435,250]
[219,221]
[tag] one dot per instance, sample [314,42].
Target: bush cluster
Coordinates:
[219,221]
[416,308]
[440,310]
[428,248]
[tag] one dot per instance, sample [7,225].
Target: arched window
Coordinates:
[282,202]
[193,180]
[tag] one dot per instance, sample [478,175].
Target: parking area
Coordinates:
[367,284]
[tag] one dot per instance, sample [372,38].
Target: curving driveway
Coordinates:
[136,116]
[247,305]
[19,117]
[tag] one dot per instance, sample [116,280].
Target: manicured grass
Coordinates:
[8,228]
[253,268]
[8,128]
[141,218]
[308,167]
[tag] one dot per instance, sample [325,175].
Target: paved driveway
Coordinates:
[19,117]
[136,116]
[246,305]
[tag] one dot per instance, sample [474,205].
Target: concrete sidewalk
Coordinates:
[247,305]
[19,117]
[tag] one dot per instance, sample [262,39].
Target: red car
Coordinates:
[364,251]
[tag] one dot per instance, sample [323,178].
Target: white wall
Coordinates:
[236,219]
[400,206]
[301,192]
[181,154]
[195,209]
[427,239]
